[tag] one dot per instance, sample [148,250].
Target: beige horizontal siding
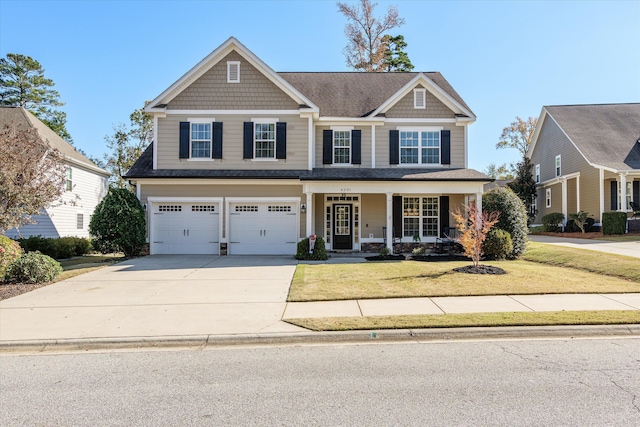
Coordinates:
[212,92]
[232,142]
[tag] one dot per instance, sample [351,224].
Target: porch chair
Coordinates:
[636,209]
[449,243]
[394,240]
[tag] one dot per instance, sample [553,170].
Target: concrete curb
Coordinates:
[355,337]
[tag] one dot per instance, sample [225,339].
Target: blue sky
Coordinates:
[506,59]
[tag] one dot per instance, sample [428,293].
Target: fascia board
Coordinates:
[211,60]
[433,88]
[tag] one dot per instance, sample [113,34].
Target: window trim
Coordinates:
[200,120]
[68,179]
[230,64]
[420,147]
[558,166]
[421,215]
[547,197]
[537,174]
[264,121]
[419,95]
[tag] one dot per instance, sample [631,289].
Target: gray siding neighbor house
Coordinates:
[247,160]
[587,157]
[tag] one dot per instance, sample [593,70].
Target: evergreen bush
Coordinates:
[10,250]
[33,267]
[319,250]
[497,244]
[513,217]
[551,221]
[614,223]
[118,223]
[57,248]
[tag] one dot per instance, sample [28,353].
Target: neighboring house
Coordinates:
[249,161]
[586,157]
[85,187]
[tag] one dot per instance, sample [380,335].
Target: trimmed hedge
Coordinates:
[319,250]
[10,251]
[497,244]
[614,223]
[57,248]
[552,221]
[33,267]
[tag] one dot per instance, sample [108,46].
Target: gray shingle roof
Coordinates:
[606,134]
[143,168]
[353,94]
[22,117]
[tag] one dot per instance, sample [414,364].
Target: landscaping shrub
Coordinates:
[614,223]
[418,251]
[497,244]
[58,248]
[551,222]
[513,217]
[33,267]
[118,223]
[572,227]
[10,250]
[319,250]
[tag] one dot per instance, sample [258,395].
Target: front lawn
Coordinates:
[325,282]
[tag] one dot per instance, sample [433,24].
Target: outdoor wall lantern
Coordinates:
[303,208]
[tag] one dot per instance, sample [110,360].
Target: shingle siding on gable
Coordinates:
[212,92]
[168,144]
[435,108]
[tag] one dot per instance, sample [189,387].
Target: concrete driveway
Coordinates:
[154,296]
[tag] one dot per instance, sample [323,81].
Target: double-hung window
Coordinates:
[265,140]
[200,140]
[69,180]
[547,196]
[420,216]
[419,147]
[558,170]
[341,147]
[537,174]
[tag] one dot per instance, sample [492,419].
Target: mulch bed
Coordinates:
[439,258]
[10,290]
[480,269]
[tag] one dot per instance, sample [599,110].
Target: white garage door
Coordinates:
[263,228]
[185,228]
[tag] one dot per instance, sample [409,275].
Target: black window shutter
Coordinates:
[636,192]
[184,140]
[444,214]
[216,152]
[327,147]
[356,147]
[614,195]
[445,147]
[394,147]
[281,140]
[247,146]
[397,216]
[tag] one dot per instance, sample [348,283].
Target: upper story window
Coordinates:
[265,140]
[537,174]
[419,147]
[420,98]
[341,147]
[558,170]
[233,71]
[200,140]
[69,180]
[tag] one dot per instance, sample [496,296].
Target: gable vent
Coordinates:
[233,71]
[419,98]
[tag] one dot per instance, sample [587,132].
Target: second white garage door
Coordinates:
[263,228]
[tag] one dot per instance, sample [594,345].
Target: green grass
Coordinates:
[621,238]
[470,320]
[80,265]
[544,269]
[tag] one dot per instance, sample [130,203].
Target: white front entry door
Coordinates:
[185,228]
[263,228]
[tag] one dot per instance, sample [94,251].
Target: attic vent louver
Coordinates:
[233,71]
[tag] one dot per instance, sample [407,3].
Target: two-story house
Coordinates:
[84,188]
[586,157]
[247,160]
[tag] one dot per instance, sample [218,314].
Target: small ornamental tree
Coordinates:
[513,216]
[473,230]
[580,219]
[118,223]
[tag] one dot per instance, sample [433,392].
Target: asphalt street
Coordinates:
[577,382]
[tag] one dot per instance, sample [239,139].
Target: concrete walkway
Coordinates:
[631,249]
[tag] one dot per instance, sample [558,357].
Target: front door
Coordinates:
[342,229]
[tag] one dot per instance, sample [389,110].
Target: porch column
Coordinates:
[565,208]
[601,194]
[479,204]
[310,228]
[623,192]
[389,235]
[578,194]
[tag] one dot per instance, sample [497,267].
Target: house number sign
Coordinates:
[345,189]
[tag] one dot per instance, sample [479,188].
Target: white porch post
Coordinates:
[601,194]
[565,208]
[389,235]
[578,193]
[623,193]
[479,204]
[310,228]
[373,146]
